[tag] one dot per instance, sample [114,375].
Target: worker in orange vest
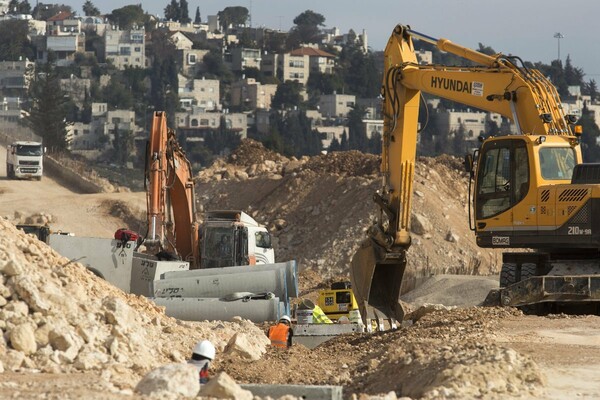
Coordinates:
[281,334]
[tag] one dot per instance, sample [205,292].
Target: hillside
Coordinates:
[319,208]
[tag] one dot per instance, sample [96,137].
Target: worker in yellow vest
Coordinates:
[319,317]
[282,333]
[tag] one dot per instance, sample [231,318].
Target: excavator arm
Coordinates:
[496,84]
[170,197]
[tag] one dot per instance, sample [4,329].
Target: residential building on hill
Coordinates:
[318,60]
[286,67]
[202,93]
[250,95]
[15,77]
[125,48]
[336,105]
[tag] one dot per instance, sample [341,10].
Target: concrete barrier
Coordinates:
[307,392]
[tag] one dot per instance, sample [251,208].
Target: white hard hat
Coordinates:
[205,349]
[286,318]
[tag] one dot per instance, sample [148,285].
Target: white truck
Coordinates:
[233,238]
[24,159]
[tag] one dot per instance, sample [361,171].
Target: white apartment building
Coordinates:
[15,76]
[286,67]
[328,133]
[125,48]
[251,94]
[63,37]
[190,61]
[197,123]
[239,58]
[203,93]
[319,60]
[336,105]
[11,109]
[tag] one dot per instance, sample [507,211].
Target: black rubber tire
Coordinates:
[508,274]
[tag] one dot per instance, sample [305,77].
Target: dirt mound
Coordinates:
[318,209]
[57,317]
[348,163]
[251,152]
[446,354]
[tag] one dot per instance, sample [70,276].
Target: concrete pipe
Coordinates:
[203,309]
[218,286]
[290,268]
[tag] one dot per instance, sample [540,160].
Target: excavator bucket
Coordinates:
[376,277]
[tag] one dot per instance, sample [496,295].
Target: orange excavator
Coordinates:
[225,238]
[170,197]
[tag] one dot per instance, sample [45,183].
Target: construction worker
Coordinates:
[319,317]
[281,334]
[202,355]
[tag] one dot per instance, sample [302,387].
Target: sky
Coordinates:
[524,28]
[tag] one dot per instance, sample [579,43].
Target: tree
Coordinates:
[311,18]
[215,67]
[320,83]
[163,75]
[14,41]
[173,11]
[184,12]
[359,71]
[90,9]
[458,141]
[117,95]
[486,50]
[197,20]
[44,11]
[24,7]
[307,29]
[123,144]
[287,95]
[222,140]
[233,16]
[128,16]
[357,137]
[13,7]
[591,89]
[589,139]
[47,112]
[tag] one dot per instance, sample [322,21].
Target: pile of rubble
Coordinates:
[57,317]
[446,353]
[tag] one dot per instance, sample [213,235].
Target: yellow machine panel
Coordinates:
[337,303]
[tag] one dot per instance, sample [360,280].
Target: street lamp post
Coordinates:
[558,36]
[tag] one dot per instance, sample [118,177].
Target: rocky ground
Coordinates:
[68,334]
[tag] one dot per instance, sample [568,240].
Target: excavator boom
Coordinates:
[172,225]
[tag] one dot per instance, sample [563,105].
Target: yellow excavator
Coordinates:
[529,190]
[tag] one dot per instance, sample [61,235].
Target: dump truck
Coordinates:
[530,190]
[25,159]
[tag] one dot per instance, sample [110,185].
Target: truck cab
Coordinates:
[24,159]
[233,238]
